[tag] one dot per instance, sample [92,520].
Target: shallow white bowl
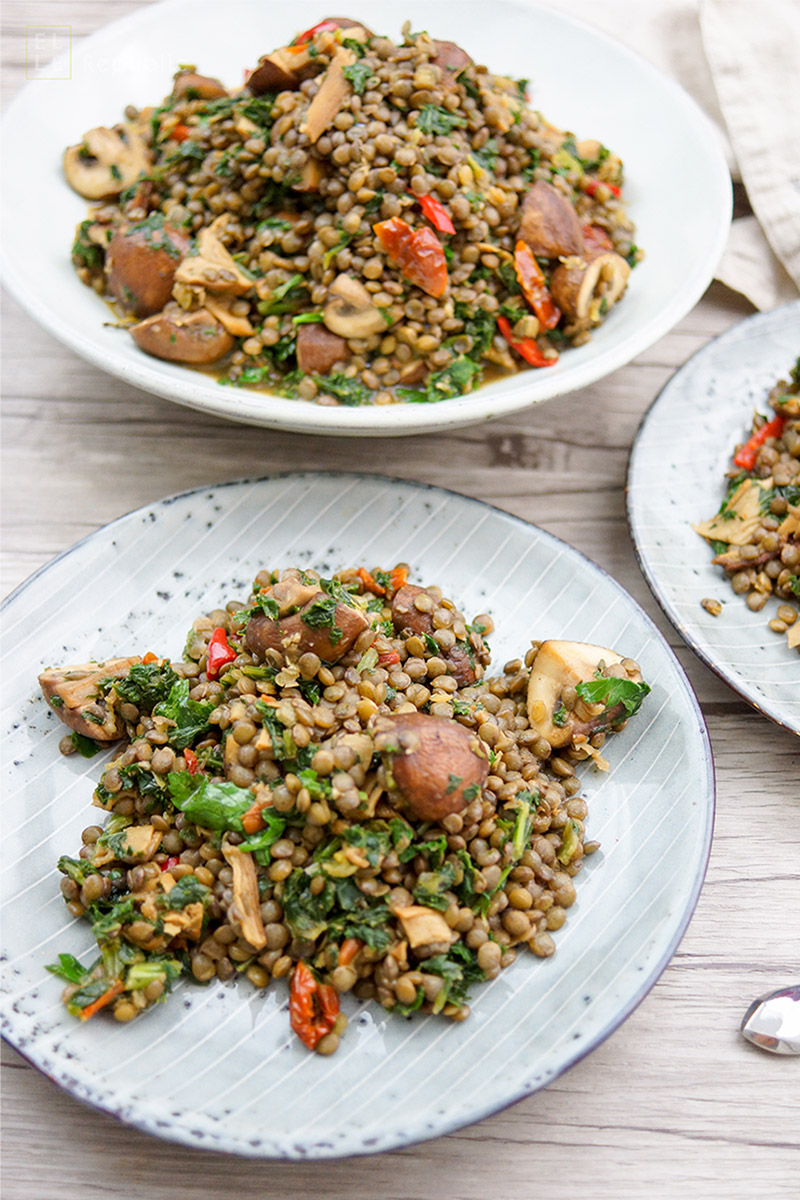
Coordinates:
[678,188]
[217,1067]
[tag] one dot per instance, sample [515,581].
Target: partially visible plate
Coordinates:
[612,94]
[217,1067]
[677,476]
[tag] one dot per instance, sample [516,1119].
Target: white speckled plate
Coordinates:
[676,477]
[613,95]
[217,1067]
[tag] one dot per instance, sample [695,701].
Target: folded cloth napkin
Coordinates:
[738,59]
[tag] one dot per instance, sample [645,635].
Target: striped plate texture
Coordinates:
[217,1066]
[677,476]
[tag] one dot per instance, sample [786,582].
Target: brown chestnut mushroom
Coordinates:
[188,85]
[435,766]
[406,616]
[350,311]
[586,290]
[140,265]
[322,627]
[318,350]
[75,695]
[451,59]
[184,337]
[561,665]
[107,161]
[549,223]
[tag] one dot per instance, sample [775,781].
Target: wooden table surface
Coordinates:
[675,1102]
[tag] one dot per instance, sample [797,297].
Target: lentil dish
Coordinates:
[755,535]
[328,788]
[364,222]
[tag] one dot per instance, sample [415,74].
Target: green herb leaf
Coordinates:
[359,75]
[84,745]
[612,691]
[209,804]
[190,716]
[67,968]
[437,120]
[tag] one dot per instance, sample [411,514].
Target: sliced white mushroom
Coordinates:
[587,290]
[333,91]
[423,926]
[221,309]
[213,267]
[559,665]
[107,161]
[245,895]
[741,518]
[350,311]
[76,696]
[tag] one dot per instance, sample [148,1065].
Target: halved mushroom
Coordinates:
[318,350]
[245,895]
[75,695]
[189,85]
[549,223]
[333,91]
[107,161]
[451,59]
[406,616]
[141,262]
[350,311]
[282,71]
[587,290]
[213,267]
[435,766]
[561,666]
[180,336]
[318,628]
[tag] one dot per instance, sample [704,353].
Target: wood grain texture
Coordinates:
[675,1103]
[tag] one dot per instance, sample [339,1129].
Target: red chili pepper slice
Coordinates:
[303,38]
[150,657]
[746,457]
[527,348]
[417,252]
[534,288]
[171,862]
[436,213]
[590,186]
[219,653]
[313,1006]
[388,658]
[190,758]
[180,133]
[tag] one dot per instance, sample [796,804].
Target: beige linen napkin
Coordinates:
[754,54]
[739,60]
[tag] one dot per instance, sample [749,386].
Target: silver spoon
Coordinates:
[773,1022]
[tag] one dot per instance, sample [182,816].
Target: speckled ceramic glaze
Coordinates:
[677,477]
[612,95]
[217,1066]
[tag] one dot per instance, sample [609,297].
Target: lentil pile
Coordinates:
[756,533]
[365,222]
[329,789]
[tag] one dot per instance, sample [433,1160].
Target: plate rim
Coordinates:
[394,1140]
[191,391]
[712,347]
